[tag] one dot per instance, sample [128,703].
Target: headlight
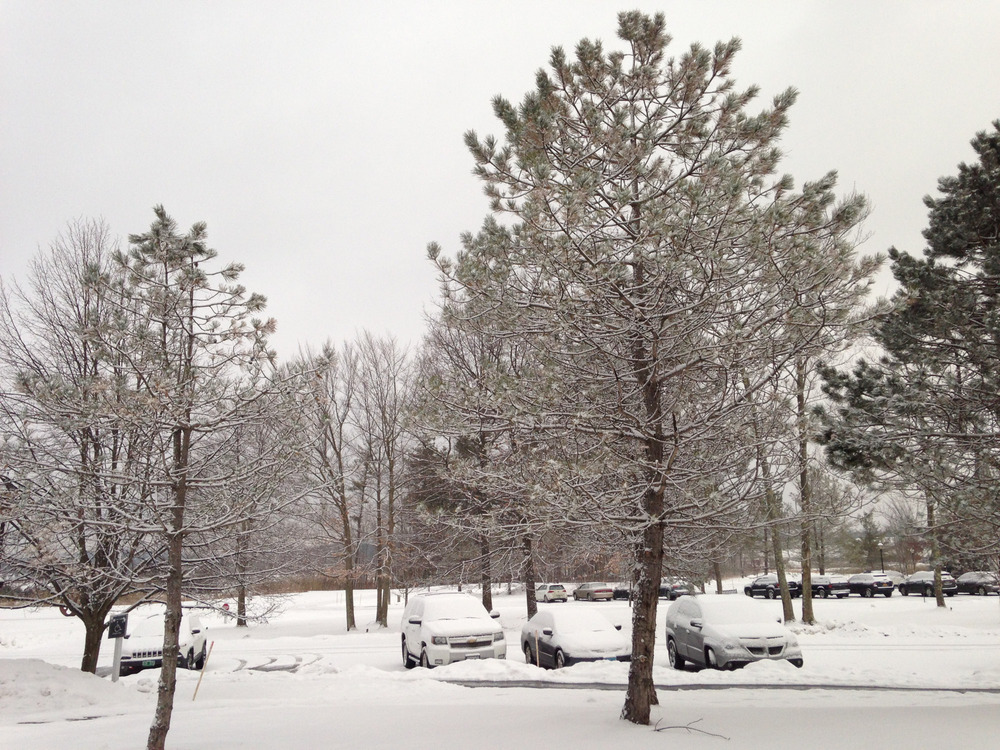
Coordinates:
[439,640]
[498,636]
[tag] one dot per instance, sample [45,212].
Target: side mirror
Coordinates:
[196,631]
[414,620]
[546,631]
[618,627]
[696,624]
[495,615]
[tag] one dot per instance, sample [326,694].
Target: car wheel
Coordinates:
[199,662]
[868,593]
[888,593]
[560,659]
[676,660]
[823,593]
[408,661]
[928,591]
[528,658]
[186,662]
[770,594]
[748,592]
[711,660]
[981,591]
[796,663]
[903,591]
[424,661]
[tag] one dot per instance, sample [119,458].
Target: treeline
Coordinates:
[630,370]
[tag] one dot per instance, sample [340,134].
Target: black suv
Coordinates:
[826,586]
[767,586]
[870,584]
[922,582]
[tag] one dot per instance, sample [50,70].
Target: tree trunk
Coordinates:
[241,606]
[172,624]
[935,552]
[529,577]
[93,625]
[175,580]
[805,492]
[717,569]
[486,575]
[641,693]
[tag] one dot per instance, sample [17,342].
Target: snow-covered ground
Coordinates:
[883,673]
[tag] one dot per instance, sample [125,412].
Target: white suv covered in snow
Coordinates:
[143,646]
[444,627]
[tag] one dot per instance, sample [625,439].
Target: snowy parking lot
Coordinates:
[908,673]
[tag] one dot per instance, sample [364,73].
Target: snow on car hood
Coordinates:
[463,626]
[750,630]
[601,642]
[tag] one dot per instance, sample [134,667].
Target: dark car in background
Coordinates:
[767,586]
[978,582]
[823,587]
[622,591]
[673,588]
[922,582]
[870,584]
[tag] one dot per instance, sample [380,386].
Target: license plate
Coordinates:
[472,656]
[149,663]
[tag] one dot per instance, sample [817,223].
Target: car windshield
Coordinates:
[580,621]
[452,607]
[729,610]
[152,625]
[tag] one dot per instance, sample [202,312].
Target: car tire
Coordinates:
[424,661]
[528,658]
[199,662]
[903,591]
[981,591]
[770,594]
[888,594]
[928,591]
[823,593]
[867,593]
[408,661]
[796,663]
[676,660]
[711,661]
[560,659]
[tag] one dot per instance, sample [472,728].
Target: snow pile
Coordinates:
[32,690]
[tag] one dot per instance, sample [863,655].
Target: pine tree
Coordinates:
[925,416]
[651,262]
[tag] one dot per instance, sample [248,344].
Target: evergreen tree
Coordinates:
[925,416]
[653,259]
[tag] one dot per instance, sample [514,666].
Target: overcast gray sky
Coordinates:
[322,141]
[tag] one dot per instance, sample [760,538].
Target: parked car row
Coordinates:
[979,583]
